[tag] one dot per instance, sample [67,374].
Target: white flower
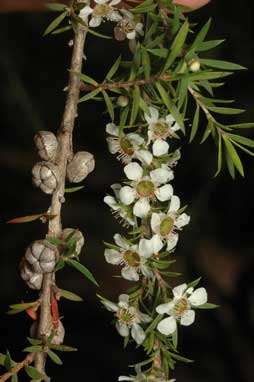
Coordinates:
[133,257]
[127,27]
[159,129]
[128,146]
[101,11]
[129,318]
[166,225]
[145,187]
[121,211]
[180,308]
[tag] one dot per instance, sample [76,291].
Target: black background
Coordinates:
[218,244]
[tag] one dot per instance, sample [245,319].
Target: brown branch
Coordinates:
[26,361]
[64,137]
[125,84]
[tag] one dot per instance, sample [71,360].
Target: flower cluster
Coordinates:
[146,201]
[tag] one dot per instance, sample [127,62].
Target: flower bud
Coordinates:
[194,65]
[59,333]
[32,279]
[46,176]
[122,101]
[80,166]
[76,236]
[46,144]
[42,256]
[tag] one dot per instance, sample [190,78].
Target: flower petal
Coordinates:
[187,318]
[130,274]
[111,202]
[111,306]
[155,222]
[127,195]
[112,129]
[172,240]
[112,256]
[135,138]
[182,220]
[198,297]
[125,378]
[164,308]
[119,240]
[167,326]
[122,329]
[161,175]
[141,208]
[133,171]
[174,204]
[144,317]
[145,248]
[157,243]
[137,333]
[179,290]
[160,147]
[144,156]
[124,299]
[154,115]
[164,193]
[95,21]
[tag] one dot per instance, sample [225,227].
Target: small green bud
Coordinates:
[122,101]
[194,65]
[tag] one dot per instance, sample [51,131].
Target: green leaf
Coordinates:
[30,218]
[194,128]
[145,7]
[2,359]
[90,95]
[135,105]
[14,378]
[109,105]
[97,34]
[163,52]
[177,45]
[207,45]
[33,349]
[208,131]
[143,106]
[230,165]
[85,78]
[175,338]
[72,189]
[8,361]
[62,348]
[208,75]
[34,341]
[55,23]
[238,138]
[69,295]
[54,240]
[219,156]
[32,372]
[180,358]
[249,125]
[207,305]
[62,30]
[201,35]
[82,269]
[234,156]
[170,106]
[112,71]
[193,283]
[54,357]
[23,306]
[225,110]
[226,65]
[146,63]
[55,6]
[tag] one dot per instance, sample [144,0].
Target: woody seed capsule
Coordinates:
[42,256]
[46,176]
[46,144]
[80,166]
[32,279]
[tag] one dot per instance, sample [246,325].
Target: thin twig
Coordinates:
[26,361]
[64,137]
[125,84]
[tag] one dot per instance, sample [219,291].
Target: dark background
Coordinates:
[218,244]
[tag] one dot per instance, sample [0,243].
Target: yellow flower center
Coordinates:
[181,306]
[101,10]
[132,259]
[166,226]
[126,146]
[125,316]
[145,188]
[160,129]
